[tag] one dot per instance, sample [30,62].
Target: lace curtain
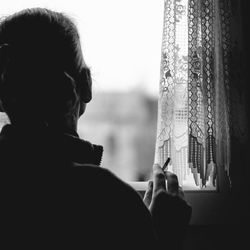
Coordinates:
[193,106]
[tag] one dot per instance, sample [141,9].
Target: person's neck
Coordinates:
[32,127]
[64,129]
[68,126]
[60,124]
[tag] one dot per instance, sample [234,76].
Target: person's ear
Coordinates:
[86,85]
[82,108]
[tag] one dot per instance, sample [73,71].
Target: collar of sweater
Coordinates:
[79,150]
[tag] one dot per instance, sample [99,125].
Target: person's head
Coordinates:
[43,76]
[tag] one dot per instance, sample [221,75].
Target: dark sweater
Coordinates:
[56,196]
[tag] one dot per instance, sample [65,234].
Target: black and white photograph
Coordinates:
[124,124]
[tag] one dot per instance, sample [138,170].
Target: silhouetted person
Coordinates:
[55,195]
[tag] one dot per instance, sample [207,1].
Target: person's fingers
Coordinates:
[158,179]
[172,183]
[148,194]
[173,187]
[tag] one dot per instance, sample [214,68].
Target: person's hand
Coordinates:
[170,212]
[158,185]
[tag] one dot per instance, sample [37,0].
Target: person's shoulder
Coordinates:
[103,179]
[97,174]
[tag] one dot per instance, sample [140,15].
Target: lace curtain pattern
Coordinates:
[193,105]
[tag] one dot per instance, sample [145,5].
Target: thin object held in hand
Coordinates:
[166,164]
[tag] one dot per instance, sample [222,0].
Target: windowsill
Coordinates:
[142,186]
